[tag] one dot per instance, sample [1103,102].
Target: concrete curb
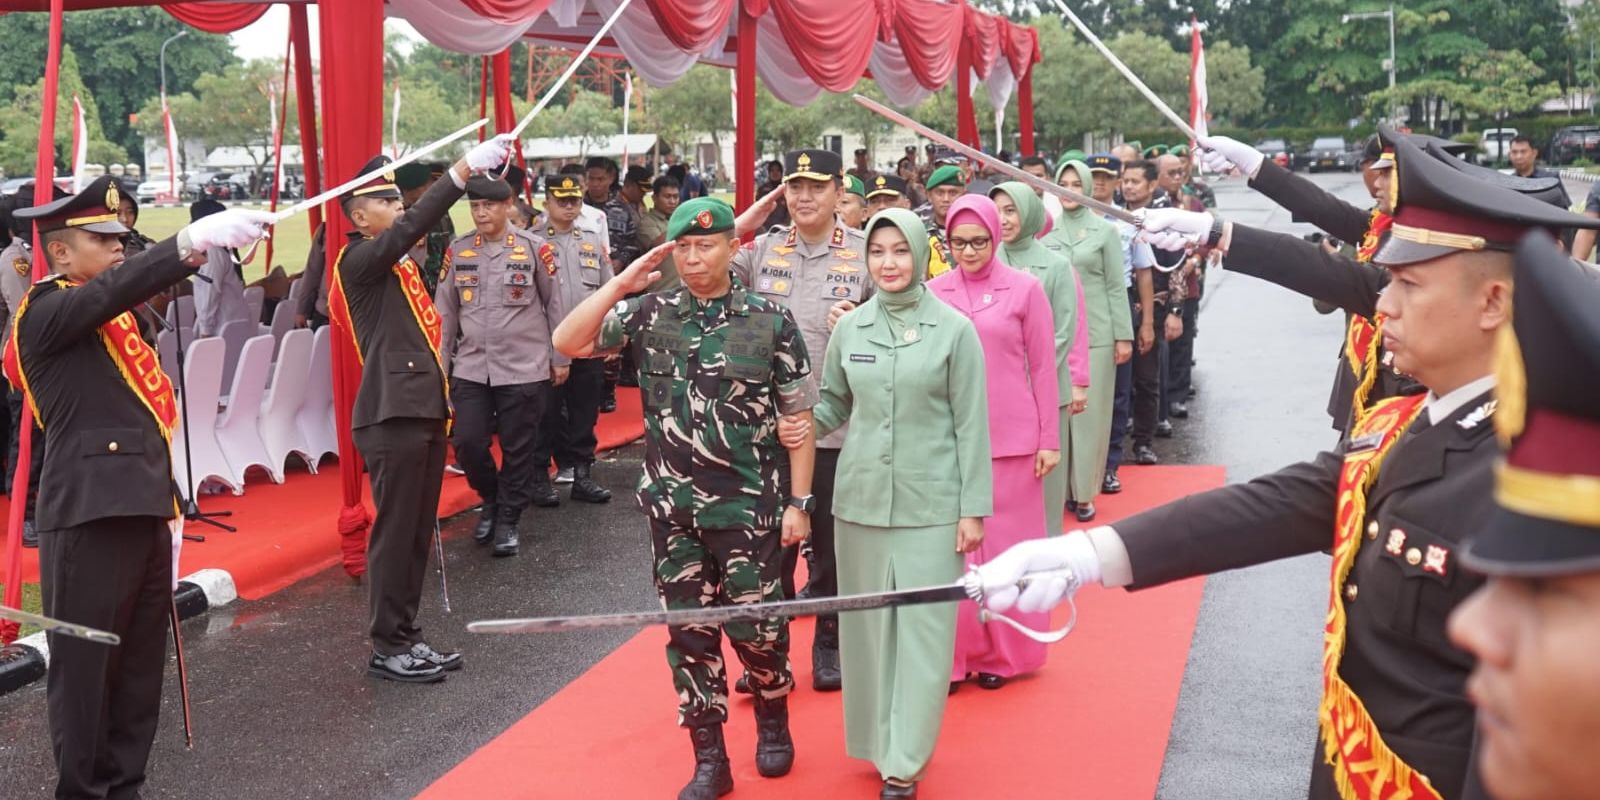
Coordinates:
[27,659]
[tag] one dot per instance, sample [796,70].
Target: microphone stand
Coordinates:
[191,508]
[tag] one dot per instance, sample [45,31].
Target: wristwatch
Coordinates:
[806,502]
[1216,232]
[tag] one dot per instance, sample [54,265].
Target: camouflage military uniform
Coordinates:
[429,252]
[714,376]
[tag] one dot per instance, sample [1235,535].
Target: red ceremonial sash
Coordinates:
[137,362]
[422,310]
[1364,767]
[1363,335]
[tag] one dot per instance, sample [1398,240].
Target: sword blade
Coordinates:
[1161,105]
[57,626]
[357,181]
[183,674]
[722,615]
[583,54]
[996,164]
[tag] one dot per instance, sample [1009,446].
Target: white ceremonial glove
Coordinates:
[489,154]
[235,227]
[1000,576]
[1175,229]
[1220,154]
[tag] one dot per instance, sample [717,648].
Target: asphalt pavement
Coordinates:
[283,709]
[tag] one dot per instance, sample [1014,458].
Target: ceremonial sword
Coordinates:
[997,165]
[571,68]
[313,202]
[970,587]
[57,626]
[1160,104]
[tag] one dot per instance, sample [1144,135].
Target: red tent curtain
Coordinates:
[1025,112]
[929,33]
[1020,45]
[217,17]
[352,94]
[983,41]
[744,137]
[831,40]
[693,25]
[306,100]
[507,11]
[505,114]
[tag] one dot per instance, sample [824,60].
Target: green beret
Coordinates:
[853,185]
[1073,155]
[948,174]
[1155,150]
[699,217]
[411,176]
[1181,151]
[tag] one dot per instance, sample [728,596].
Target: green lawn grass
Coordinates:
[31,601]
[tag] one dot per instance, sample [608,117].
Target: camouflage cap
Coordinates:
[700,216]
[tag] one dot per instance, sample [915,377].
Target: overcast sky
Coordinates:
[267,37]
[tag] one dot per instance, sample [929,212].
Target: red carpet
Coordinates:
[1093,723]
[288,532]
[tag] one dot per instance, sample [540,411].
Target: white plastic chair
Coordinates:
[316,409]
[238,430]
[280,423]
[254,298]
[282,324]
[234,334]
[167,350]
[202,377]
[181,315]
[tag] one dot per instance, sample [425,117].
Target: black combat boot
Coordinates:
[774,748]
[584,489]
[505,534]
[544,493]
[713,777]
[485,528]
[825,656]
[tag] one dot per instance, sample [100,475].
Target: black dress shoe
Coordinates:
[405,668]
[1072,505]
[896,791]
[742,686]
[1085,512]
[506,537]
[713,777]
[30,534]
[448,661]
[1163,430]
[774,746]
[1145,455]
[609,403]
[1179,411]
[955,686]
[1112,484]
[584,489]
[825,675]
[991,682]
[544,494]
[484,531]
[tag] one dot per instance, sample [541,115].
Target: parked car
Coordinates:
[1574,142]
[1329,152]
[157,190]
[1277,150]
[1494,145]
[228,186]
[11,185]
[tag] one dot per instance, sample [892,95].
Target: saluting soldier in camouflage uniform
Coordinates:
[815,268]
[717,366]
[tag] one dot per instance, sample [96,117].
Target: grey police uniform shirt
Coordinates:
[580,261]
[808,279]
[498,304]
[16,270]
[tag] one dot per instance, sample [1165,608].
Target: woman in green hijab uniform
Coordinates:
[1095,250]
[1021,219]
[906,372]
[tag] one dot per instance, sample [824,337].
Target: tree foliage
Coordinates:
[231,108]
[19,124]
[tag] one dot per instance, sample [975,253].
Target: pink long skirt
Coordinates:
[1018,516]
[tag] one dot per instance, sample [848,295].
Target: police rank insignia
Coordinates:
[845,268]
[1478,415]
[783,250]
[21,265]
[846,254]
[547,256]
[468,253]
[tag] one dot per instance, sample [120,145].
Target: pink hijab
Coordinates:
[976,209]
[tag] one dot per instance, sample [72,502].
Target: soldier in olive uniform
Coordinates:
[498,304]
[853,203]
[579,264]
[1414,476]
[718,364]
[413,181]
[945,185]
[816,268]
[105,546]
[401,411]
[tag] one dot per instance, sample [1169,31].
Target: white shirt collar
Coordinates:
[1440,408]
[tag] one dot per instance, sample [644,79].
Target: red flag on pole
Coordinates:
[172,148]
[80,144]
[1198,102]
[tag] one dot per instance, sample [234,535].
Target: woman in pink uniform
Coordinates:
[1012,315]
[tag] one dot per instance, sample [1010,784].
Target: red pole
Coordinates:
[1025,111]
[44,172]
[744,136]
[505,113]
[277,136]
[306,100]
[966,118]
[483,97]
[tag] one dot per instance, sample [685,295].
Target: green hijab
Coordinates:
[1073,222]
[897,307]
[1025,252]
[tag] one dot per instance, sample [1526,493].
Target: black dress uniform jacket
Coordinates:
[1309,203]
[399,376]
[1435,486]
[104,454]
